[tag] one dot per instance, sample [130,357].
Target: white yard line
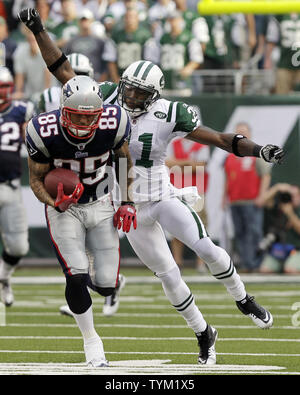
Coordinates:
[150,315]
[146,326]
[143,338]
[146,353]
[194,279]
[135,367]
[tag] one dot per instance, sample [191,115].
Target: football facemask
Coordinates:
[81,106]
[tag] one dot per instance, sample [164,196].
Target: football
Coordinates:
[67,177]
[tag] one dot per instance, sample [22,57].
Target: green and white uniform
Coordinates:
[284,30]
[49,99]
[175,53]
[125,48]
[220,47]
[159,209]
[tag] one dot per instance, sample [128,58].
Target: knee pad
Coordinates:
[11,260]
[77,294]
[170,279]
[208,251]
[103,291]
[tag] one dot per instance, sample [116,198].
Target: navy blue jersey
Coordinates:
[11,121]
[48,142]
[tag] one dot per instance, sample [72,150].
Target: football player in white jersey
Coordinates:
[154,122]
[14,116]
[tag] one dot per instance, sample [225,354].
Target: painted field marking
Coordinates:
[145,353]
[255,339]
[141,326]
[141,367]
[150,315]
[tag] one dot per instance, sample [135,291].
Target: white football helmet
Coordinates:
[140,86]
[6,87]
[81,96]
[81,64]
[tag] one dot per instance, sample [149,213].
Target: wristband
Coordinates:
[124,203]
[54,66]
[58,209]
[234,144]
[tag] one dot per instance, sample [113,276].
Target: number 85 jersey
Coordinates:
[48,142]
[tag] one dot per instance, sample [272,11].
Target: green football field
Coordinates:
[147,335]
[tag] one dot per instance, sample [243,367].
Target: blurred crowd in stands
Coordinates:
[171,33]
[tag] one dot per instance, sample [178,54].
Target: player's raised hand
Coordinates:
[124,217]
[63,202]
[32,20]
[272,153]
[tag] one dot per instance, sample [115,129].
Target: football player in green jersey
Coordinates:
[155,122]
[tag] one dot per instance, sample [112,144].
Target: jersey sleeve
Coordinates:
[109,92]
[30,111]
[186,120]
[124,130]
[36,148]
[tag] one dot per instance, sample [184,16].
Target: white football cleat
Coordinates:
[65,310]
[94,353]
[111,303]
[7,296]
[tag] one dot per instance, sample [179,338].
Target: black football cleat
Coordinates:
[260,316]
[206,342]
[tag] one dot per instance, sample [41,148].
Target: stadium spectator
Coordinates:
[281,243]
[68,27]
[184,158]
[180,53]
[117,9]
[2,9]
[193,22]
[231,40]
[284,31]
[157,15]
[87,43]
[246,180]
[127,45]
[31,74]
[7,46]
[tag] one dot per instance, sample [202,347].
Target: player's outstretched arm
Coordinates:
[55,60]
[236,143]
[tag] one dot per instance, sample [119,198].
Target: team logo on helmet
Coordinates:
[67,92]
[162,82]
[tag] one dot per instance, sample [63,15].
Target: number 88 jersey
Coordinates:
[48,142]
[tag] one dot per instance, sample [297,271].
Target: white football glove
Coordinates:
[271,153]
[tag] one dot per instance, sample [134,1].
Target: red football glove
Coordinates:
[63,202]
[125,215]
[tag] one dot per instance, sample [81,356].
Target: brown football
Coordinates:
[67,177]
